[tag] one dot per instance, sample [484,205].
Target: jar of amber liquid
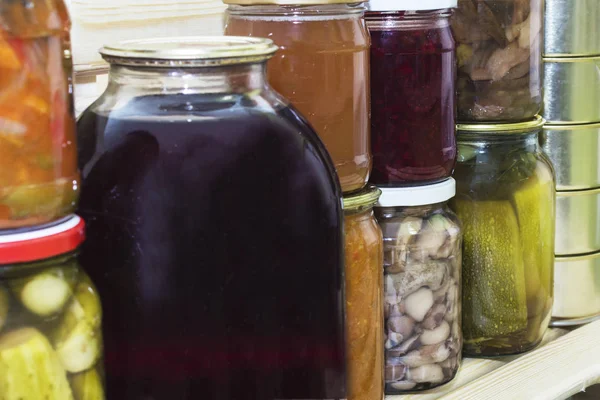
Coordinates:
[38,160]
[364,296]
[412,87]
[322,67]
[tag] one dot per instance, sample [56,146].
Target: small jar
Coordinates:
[364,300]
[506,202]
[499,57]
[322,68]
[38,153]
[413,73]
[422,286]
[50,312]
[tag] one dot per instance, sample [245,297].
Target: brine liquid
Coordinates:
[214,236]
[412,106]
[322,68]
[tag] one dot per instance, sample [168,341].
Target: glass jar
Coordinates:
[422,286]
[50,317]
[38,164]
[224,220]
[505,200]
[364,289]
[499,59]
[322,68]
[412,92]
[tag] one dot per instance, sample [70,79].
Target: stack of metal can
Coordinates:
[572,141]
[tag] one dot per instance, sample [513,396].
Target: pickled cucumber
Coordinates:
[84,306]
[80,348]
[4,305]
[494,298]
[46,293]
[87,385]
[535,210]
[29,368]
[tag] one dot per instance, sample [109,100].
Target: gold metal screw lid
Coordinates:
[192,51]
[366,198]
[514,127]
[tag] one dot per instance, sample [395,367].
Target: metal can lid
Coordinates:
[39,244]
[190,51]
[366,198]
[410,5]
[512,127]
[418,195]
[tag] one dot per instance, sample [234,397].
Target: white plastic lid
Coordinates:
[410,5]
[417,195]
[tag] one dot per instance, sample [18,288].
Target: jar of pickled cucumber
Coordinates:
[505,200]
[50,317]
[38,159]
[422,286]
[364,301]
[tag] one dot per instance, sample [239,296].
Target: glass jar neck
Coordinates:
[402,211]
[241,78]
[408,20]
[324,11]
[522,141]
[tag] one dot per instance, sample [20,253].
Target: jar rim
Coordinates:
[367,197]
[39,244]
[189,51]
[513,127]
[290,2]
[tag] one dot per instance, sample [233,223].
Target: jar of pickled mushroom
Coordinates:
[322,68]
[215,228]
[364,288]
[50,317]
[422,286]
[505,200]
[413,73]
[38,164]
[499,52]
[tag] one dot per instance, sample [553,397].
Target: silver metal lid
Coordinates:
[192,51]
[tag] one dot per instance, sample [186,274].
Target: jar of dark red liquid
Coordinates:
[412,91]
[214,223]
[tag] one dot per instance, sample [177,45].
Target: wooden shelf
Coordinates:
[564,364]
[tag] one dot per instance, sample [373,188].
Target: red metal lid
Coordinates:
[43,243]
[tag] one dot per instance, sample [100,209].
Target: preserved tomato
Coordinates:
[38,168]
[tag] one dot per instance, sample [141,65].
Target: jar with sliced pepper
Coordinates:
[364,296]
[38,165]
[50,317]
[505,200]
[499,56]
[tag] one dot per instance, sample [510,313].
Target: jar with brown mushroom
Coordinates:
[499,55]
[422,286]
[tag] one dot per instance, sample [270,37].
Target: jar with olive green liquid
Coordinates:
[505,200]
[364,296]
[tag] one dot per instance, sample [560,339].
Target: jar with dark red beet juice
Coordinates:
[215,228]
[412,91]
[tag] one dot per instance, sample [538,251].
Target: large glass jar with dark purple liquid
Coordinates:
[214,228]
[412,93]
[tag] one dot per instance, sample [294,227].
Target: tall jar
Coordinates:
[499,51]
[505,200]
[413,71]
[38,159]
[422,286]
[364,296]
[215,228]
[322,69]
[50,317]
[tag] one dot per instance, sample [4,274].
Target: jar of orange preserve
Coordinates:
[38,168]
